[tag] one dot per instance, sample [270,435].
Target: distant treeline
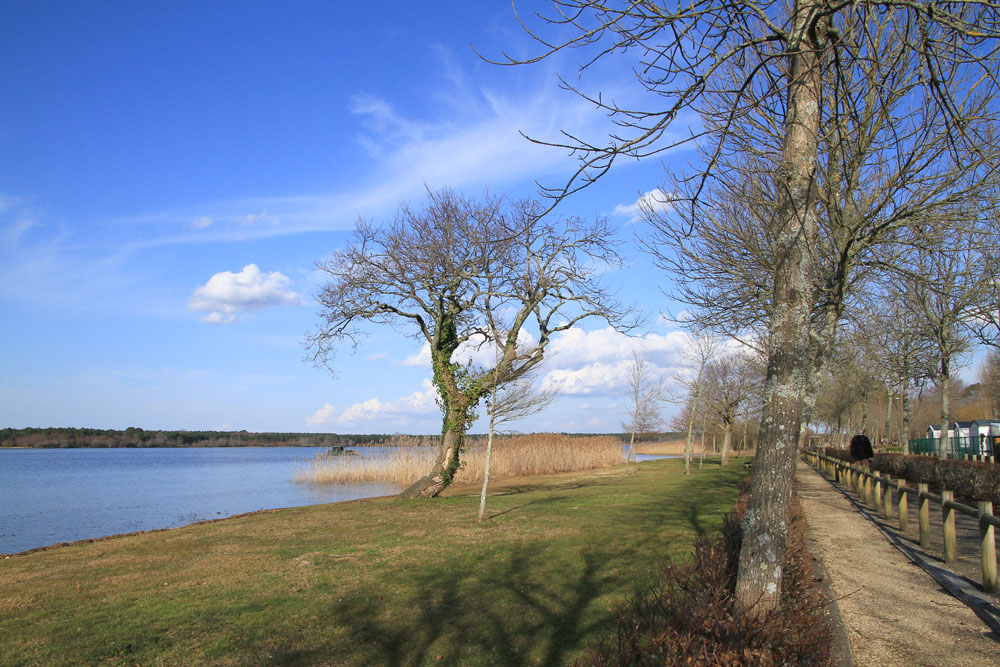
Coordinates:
[137,437]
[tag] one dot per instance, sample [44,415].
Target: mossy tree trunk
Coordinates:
[458,402]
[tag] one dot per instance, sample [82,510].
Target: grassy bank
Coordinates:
[368,582]
[526,455]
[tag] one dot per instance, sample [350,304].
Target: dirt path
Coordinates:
[894,612]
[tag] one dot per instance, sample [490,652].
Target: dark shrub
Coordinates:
[838,453]
[689,618]
[970,480]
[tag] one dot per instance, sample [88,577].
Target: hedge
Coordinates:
[970,480]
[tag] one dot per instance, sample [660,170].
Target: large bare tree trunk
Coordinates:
[486,467]
[726,442]
[864,412]
[888,414]
[689,444]
[444,469]
[906,419]
[945,408]
[765,526]
[628,453]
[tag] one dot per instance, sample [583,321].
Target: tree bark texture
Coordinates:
[444,468]
[906,419]
[888,414]
[765,526]
[945,409]
[727,440]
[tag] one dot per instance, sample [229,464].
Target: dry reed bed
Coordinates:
[536,454]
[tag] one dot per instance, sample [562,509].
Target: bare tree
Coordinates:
[645,397]
[444,273]
[897,347]
[944,285]
[729,384]
[989,378]
[886,167]
[684,53]
[702,350]
[510,403]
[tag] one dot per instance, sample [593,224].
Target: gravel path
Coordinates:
[894,612]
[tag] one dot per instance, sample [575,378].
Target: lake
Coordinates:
[49,496]
[59,495]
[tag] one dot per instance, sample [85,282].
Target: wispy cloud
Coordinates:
[654,201]
[473,141]
[43,263]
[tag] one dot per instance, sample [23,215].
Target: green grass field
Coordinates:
[371,582]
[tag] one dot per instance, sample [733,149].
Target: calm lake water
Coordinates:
[59,495]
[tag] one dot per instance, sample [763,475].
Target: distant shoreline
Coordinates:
[137,438]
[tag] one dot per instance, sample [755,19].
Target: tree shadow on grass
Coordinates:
[513,603]
[512,614]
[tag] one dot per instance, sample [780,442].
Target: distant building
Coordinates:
[980,437]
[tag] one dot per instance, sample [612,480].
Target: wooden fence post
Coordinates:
[988,548]
[868,491]
[887,499]
[948,514]
[903,512]
[878,496]
[925,516]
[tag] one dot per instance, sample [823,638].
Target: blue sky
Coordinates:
[171,171]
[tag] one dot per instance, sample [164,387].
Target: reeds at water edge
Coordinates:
[535,454]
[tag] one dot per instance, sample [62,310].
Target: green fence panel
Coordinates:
[924,446]
[957,447]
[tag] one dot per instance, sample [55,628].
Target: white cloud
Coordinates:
[654,201]
[577,347]
[591,379]
[592,363]
[228,295]
[202,222]
[580,362]
[421,359]
[483,356]
[378,411]
[323,415]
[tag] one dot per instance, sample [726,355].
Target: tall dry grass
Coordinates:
[662,447]
[536,454]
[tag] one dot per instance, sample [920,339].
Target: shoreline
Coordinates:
[658,450]
[203,522]
[386,582]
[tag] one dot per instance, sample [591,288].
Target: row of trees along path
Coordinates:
[784,95]
[791,97]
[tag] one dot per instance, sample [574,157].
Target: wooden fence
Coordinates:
[875,489]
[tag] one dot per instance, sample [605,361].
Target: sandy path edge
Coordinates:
[894,613]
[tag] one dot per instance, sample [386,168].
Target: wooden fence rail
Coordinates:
[875,490]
